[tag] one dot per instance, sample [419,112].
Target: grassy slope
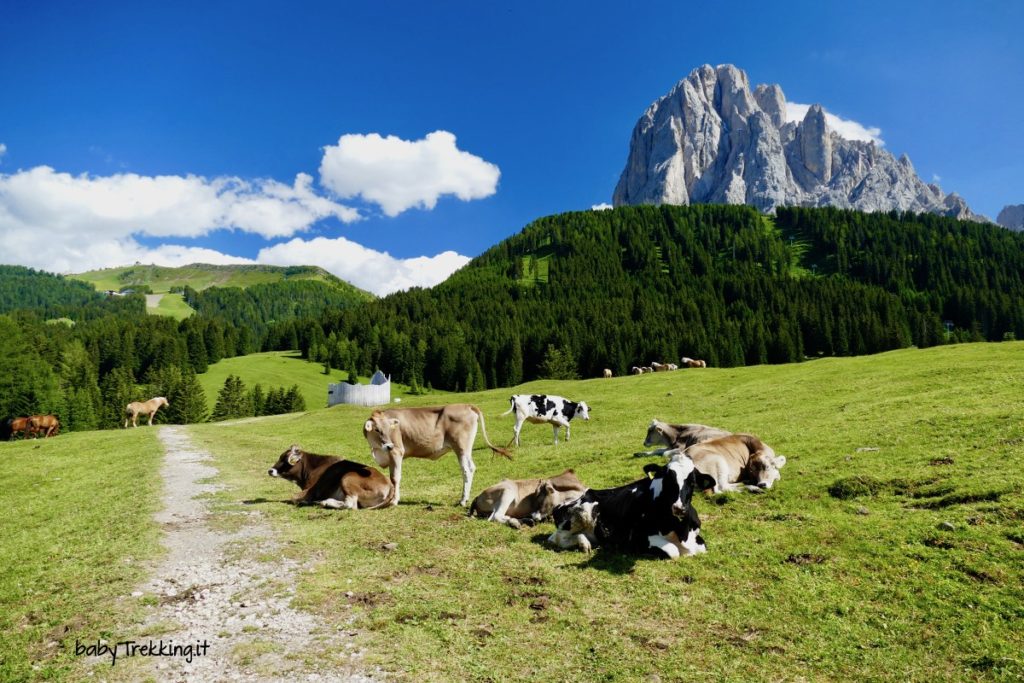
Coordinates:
[278,369]
[197,276]
[173,305]
[797,584]
[75,536]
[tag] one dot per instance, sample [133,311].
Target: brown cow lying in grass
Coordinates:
[514,501]
[332,482]
[738,461]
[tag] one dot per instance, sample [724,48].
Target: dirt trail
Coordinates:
[215,587]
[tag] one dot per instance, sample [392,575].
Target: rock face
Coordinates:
[714,140]
[1012,217]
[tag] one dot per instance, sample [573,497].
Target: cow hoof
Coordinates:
[514,523]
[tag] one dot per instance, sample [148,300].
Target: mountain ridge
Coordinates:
[713,139]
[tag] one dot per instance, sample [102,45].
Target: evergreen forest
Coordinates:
[569,295]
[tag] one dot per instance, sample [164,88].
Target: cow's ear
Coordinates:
[654,469]
[294,454]
[368,427]
[547,486]
[780,461]
[704,481]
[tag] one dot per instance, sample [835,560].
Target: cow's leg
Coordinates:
[504,503]
[515,430]
[396,477]
[350,503]
[554,427]
[662,546]
[567,426]
[468,468]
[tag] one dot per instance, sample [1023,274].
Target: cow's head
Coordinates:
[582,411]
[673,484]
[763,467]
[547,498]
[659,434]
[288,466]
[384,436]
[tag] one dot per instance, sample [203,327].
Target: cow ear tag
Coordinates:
[368,427]
[294,456]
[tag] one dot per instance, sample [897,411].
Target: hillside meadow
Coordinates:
[279,369]
[910,569]
[892,548]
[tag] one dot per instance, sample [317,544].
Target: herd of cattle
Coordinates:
[651,516]
[663,367]
[29,426]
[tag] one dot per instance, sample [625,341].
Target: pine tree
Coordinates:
[232,400]
[188,401]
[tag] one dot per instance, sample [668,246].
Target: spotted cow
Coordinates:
[540,408]
[652,516]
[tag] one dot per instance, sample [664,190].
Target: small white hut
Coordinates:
[377,392]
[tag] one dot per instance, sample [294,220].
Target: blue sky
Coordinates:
[202,131]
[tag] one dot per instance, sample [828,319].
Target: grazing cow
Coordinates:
[136,408]
[738,461]
[636,370]
[607,373]
[672,366]
[660,367]
[652,516]
[49,425]
[14,425]
[539,408]
[332,482]
[677,438]
[646,369]
[399,433]
[512,501]
[691,363]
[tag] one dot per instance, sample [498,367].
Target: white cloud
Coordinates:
[62,222]
[936,178]
[401,174]
[851,130]
[3,150]
[372,270]
[601,207]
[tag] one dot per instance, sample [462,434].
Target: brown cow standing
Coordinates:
[400,433]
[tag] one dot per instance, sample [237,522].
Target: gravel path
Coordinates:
[213,588]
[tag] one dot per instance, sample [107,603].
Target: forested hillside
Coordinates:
[54,296]
[612,289]
[568,296]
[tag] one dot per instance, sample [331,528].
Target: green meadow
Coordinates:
[891,549]
[279,369]
[76,537]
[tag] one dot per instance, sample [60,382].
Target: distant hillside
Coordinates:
[55,296]
[200,276]
[250,295]
[613,289]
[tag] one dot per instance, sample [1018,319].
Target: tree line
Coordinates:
[569,295]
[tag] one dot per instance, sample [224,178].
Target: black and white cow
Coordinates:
[539,408]
[652,516]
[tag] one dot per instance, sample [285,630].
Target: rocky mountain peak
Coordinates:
[713,139]
[1012,217]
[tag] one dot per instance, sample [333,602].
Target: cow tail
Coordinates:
[483,428]
[511,407]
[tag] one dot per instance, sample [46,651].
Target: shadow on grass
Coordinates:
[603,560]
